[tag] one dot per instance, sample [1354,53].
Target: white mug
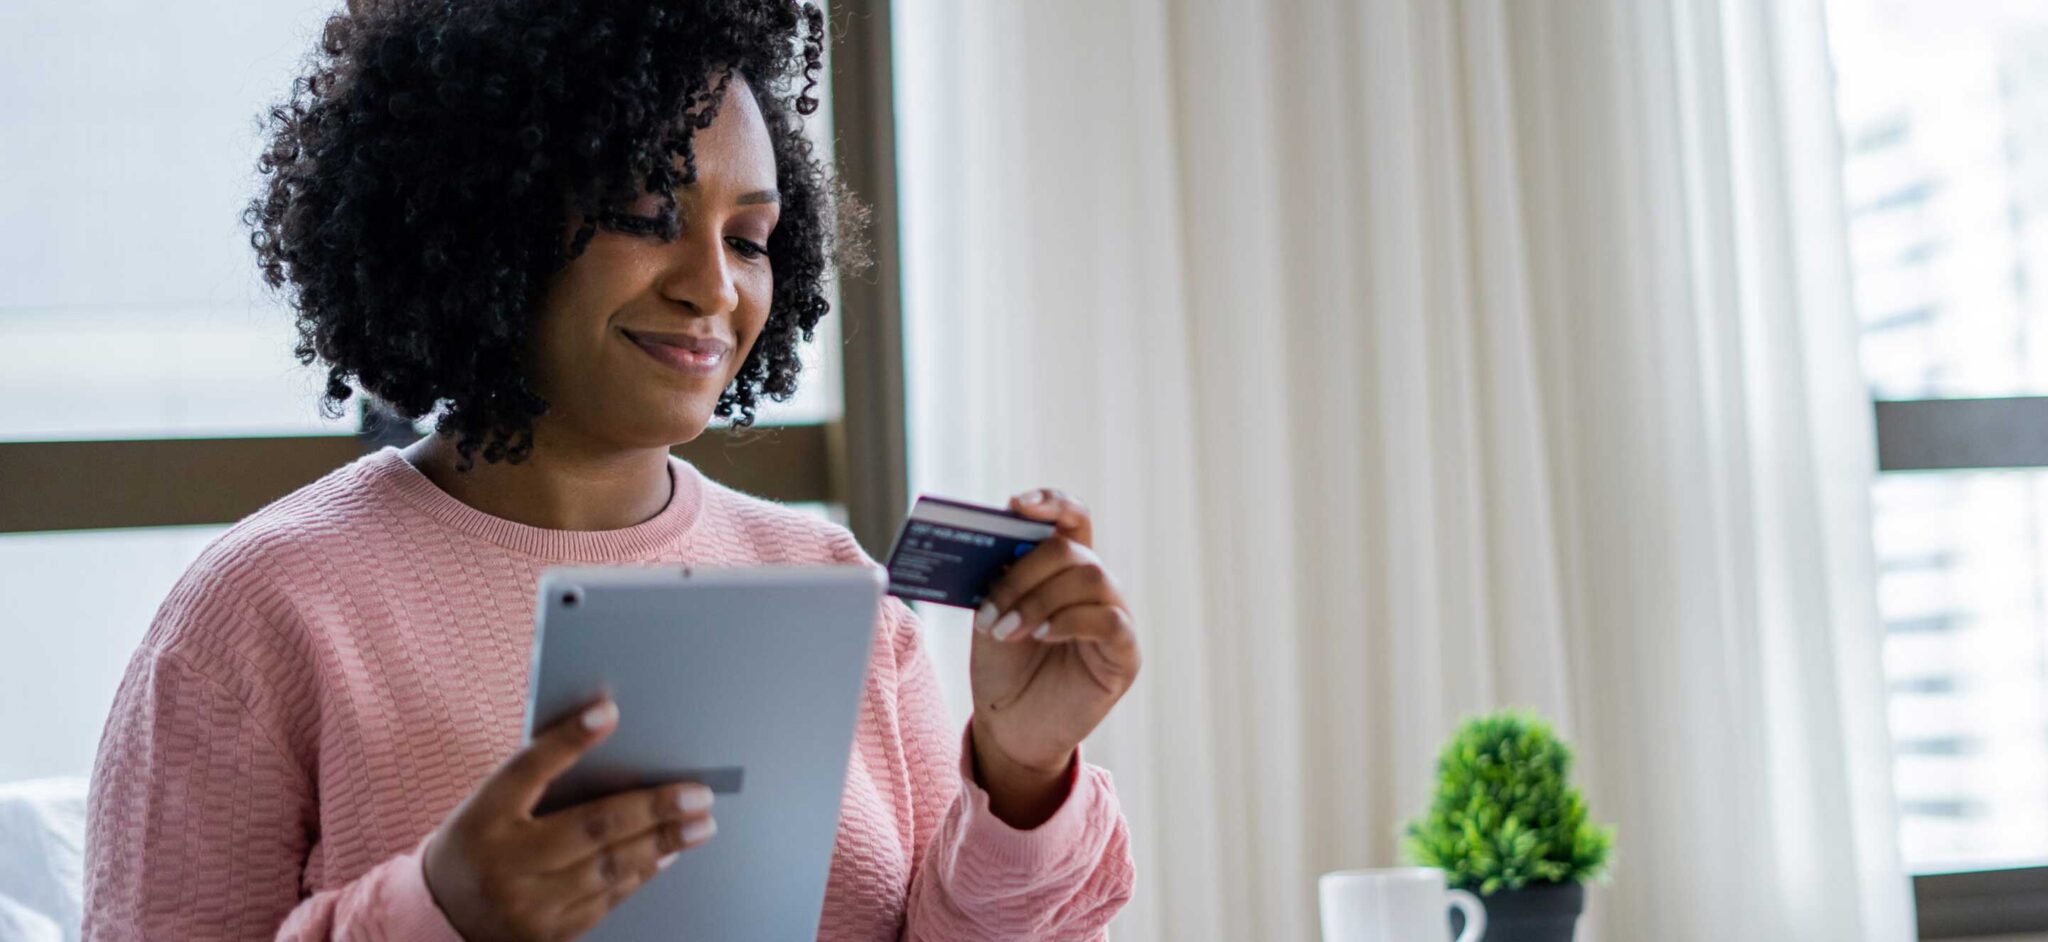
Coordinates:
[1402,905]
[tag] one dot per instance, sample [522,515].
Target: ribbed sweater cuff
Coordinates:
[1049,845]
[410,912]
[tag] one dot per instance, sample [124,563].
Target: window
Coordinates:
[148,395]
[1944,118]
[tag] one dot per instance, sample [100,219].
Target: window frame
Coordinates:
[871,440]
[2008,432]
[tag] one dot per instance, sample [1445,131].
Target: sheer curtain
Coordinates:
[1421,357]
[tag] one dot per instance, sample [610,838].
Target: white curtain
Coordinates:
[1421,357]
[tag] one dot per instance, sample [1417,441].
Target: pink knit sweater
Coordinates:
[335,674]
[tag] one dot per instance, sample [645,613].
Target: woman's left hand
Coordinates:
[1053,650]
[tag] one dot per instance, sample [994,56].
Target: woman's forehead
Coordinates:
[735,149]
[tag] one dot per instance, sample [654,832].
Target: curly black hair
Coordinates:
[419,179]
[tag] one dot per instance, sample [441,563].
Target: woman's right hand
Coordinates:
[499,872]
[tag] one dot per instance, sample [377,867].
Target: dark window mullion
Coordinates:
[1962,434]
[91,485]
[1982,903]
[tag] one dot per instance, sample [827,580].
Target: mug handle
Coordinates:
[1475,915]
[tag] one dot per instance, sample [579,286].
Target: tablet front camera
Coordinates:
[571,596]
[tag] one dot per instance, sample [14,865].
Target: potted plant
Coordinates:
[1507,824]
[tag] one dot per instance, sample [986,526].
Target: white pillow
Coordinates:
[42,859]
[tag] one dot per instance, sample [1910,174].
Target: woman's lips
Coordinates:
[687,353]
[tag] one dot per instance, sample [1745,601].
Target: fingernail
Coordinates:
[663,863]
[1042,630]
[1034,497]
[1008,624]
[600,716]
[699,830]
[985,616]
[694,798]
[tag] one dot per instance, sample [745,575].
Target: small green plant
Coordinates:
[1505,814]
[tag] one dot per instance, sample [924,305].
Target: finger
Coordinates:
[1106,625]
[1025,575]
[1079,584]
[621,867]
[517,785]
[1107,642]
[571,834]
[1066,513]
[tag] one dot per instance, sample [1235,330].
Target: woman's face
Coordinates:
[638,337]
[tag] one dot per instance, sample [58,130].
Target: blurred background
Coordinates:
[1673,368]
[1944,115]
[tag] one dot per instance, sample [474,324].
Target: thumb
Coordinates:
[1069,517]
[517,785]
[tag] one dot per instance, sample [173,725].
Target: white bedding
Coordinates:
[42,859]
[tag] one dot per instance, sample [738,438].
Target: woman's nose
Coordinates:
[699,273]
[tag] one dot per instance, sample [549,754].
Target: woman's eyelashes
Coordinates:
[663,226]
[667,226]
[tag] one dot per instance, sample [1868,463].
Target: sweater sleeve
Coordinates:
[200,824]
[976,877]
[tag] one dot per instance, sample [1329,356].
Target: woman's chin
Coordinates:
[653,421]
[686,424]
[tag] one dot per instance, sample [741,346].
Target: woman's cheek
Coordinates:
[762,298]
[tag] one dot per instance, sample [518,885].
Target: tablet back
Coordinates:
[748,680]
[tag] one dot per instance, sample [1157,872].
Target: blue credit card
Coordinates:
[951,552]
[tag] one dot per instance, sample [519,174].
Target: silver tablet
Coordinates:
[747,680]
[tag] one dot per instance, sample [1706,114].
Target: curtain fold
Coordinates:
[1419,358]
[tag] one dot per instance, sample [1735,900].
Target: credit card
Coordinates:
[952,552]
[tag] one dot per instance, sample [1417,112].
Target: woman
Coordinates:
[575,231]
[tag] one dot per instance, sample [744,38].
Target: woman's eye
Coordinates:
[646,226]
[746,248]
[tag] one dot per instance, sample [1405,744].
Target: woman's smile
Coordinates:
[693,354]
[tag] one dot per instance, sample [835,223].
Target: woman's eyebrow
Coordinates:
[760,196]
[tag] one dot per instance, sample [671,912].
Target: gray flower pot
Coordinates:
[1546,912]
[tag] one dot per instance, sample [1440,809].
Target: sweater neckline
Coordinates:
[387,467]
